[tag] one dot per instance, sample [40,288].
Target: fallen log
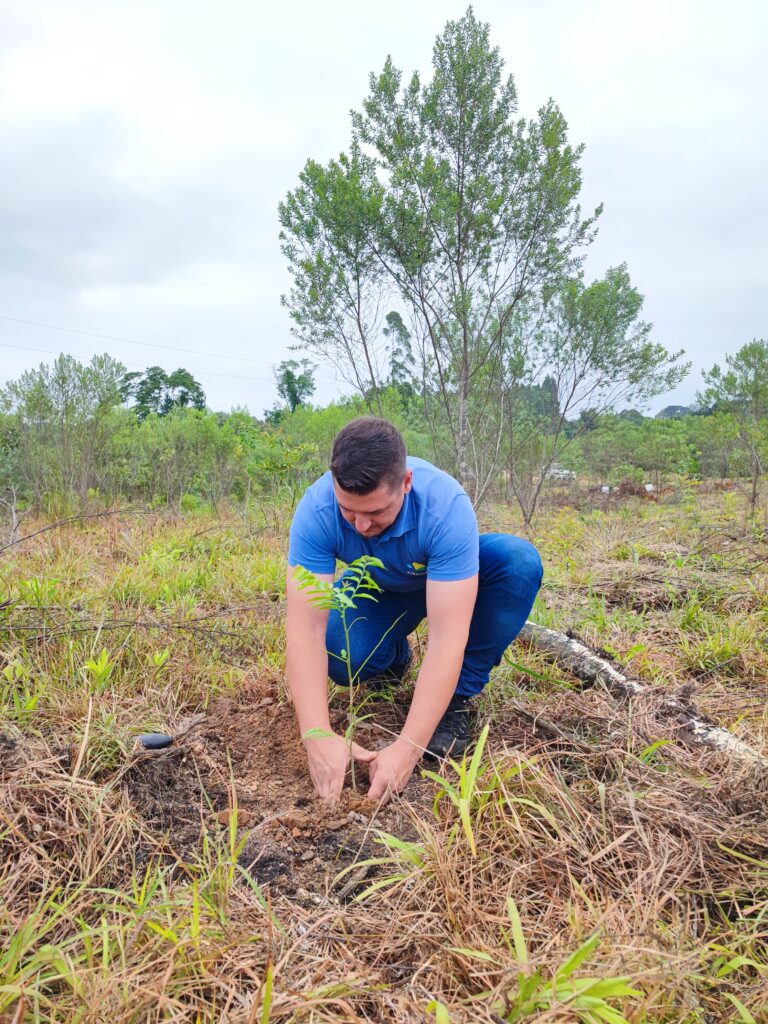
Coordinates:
[575,657]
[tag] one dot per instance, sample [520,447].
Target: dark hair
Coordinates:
[368,452]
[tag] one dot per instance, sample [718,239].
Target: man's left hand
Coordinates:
[391,769]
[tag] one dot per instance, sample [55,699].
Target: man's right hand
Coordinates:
[329,758]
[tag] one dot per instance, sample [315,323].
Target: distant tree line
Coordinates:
[73,434]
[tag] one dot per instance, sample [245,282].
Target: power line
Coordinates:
[132,341]
[197,373]
[201,373]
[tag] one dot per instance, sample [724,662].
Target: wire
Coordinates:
[201,373]
[131,341]
[197,373]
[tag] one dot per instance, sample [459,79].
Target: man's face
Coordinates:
[371,514]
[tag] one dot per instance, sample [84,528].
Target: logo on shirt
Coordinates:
[416,568]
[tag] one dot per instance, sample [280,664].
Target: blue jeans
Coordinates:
[510,577]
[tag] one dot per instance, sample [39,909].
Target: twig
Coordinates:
[84,744]
[75,519]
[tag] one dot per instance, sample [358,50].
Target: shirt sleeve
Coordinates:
[454,551]
[310,544]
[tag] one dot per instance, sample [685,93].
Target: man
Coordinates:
[475,591]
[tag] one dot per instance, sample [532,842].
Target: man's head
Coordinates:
[370,476]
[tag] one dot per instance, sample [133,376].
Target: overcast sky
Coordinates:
[144,148]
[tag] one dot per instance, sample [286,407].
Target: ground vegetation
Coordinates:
[590,858]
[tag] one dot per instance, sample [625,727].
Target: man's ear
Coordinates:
[408,481]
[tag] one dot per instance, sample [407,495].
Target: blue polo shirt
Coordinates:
[435,535]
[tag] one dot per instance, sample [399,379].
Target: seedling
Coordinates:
[18,695]
[98,672]
[463,794]
[355,584]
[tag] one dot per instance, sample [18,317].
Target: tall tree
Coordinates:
[466,217]
[156,391]
[742,389]
[295,382]
[451,203]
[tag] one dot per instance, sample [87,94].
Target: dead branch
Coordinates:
[75,519]
[587,665]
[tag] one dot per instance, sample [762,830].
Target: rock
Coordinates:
[155,740]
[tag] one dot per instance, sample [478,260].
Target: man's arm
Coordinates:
[449,613]
[307,677]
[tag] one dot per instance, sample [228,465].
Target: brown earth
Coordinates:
[248,751]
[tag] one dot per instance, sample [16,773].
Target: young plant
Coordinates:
[97,672]
[588,999]
[19,696]
[464,793]
[354,585]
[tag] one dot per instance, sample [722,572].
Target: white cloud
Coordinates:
[144,148]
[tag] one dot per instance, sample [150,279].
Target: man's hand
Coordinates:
[391,768]
[329,758]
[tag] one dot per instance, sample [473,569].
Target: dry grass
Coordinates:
[595,830]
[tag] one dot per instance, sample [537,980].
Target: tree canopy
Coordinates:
[155,391]
[462,219]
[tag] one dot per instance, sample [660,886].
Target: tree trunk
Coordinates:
[575,657]
[463,434]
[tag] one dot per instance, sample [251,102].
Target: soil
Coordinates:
[249,746]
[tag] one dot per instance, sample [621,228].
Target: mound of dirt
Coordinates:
[248,748]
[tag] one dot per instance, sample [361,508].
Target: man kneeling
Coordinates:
[475,591]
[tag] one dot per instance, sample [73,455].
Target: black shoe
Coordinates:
[452,735]
[390,678]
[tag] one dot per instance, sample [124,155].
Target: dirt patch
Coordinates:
[250,747]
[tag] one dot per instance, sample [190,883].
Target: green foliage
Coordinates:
[98,670]
[295,382]
[464,794]
[57,429]
[742,390]
[19,692]
[155,391]
[469,216]
[355,584]
[587,998]
[442,185]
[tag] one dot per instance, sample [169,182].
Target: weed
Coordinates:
[97,672]
[464,794]
[19,694]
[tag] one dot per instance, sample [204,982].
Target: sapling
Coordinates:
[355,584]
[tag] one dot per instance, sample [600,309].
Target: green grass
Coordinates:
[637,879]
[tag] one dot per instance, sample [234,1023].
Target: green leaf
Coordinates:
[266,1006]
[744,1015]
[740,961]
[575,960]
[316,734]
[440,1011]
[648,753]
[518,935]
